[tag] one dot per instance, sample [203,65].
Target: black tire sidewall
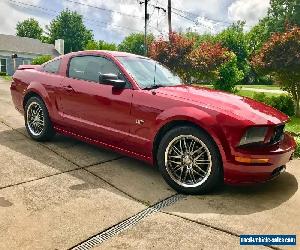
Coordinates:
[215,177]
[48,131]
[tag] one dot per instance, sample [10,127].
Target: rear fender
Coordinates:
[39,89]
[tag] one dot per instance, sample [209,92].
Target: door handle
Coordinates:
[69,88]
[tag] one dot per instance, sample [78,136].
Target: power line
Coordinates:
[104,9]
[95,22]
[211,19]
[194,21]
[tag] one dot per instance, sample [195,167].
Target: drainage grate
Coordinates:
[122,226]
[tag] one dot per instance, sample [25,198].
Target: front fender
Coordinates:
[206,121]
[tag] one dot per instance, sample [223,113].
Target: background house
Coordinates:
[26,49]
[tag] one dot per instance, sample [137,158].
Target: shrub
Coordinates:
[180,55]
[3,74]
[229,75]
[41,59]
[280,57]
[284,103]
[173,53]
[297,152]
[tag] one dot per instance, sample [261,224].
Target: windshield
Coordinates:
[149,73]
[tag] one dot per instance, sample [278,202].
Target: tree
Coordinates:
[100,45]
[29,28]
[134,43]
[41,59]
[199,38]
[207,59]
[234,39]
[174,54]
[281,14]
[280,57]
[229,75]
[181,56]
[68,25]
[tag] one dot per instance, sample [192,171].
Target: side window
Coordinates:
[52,67]
[90,67]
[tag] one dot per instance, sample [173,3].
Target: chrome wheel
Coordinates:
[35,119]
[188,161]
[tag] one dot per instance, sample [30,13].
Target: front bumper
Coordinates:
[242,173]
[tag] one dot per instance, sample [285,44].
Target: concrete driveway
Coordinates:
[59,194]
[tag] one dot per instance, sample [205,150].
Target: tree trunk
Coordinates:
[298,108]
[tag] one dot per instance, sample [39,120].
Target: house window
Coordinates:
[26,61]
[3,65]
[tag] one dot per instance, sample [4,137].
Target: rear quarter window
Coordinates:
[52,67]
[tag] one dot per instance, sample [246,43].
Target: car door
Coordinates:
[91,108]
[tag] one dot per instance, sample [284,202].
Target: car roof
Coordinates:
[107,52]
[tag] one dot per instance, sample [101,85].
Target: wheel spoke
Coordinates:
[202,162]
[176,150]
[201,170]
[197,150]
[191,147]
[185,175]
[185,145]
[175,162]
[192,176]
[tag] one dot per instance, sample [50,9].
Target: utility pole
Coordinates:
[169,17]
[146,20]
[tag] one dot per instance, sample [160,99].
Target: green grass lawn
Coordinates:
[268,87]
[7,78]
[294,125]
[249,93]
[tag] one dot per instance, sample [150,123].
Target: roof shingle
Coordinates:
[26,45]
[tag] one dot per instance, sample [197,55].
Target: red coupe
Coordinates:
[198,137]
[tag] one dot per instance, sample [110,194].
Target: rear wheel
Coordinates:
[37,120]
[189,160]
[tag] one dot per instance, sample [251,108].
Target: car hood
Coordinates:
[244,108]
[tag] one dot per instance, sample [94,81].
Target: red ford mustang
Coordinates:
[198,137]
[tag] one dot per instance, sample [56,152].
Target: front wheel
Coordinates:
[189,160]
[37,120]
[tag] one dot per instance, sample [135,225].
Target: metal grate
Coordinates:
[120,227]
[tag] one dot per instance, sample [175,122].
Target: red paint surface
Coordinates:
[101,115]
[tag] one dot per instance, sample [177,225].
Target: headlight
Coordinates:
[254,135]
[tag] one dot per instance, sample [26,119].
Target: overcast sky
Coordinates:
[114,19]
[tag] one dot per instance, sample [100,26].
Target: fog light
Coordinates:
[251,160]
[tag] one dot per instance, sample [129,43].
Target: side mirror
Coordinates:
[112,79]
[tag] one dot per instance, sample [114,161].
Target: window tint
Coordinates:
[52,67]
[90,67]
[3,65]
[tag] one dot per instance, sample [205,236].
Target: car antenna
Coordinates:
[154,80]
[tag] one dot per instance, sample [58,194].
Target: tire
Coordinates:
[40,129]
[177,163]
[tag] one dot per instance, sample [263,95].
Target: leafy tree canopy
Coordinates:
[182,57]
[68,25]
[282,14]
[29,28]
[280,56]
[134,43]
[234,39]
[100,45]
[41,59]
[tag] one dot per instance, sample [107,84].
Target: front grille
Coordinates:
[278,134]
